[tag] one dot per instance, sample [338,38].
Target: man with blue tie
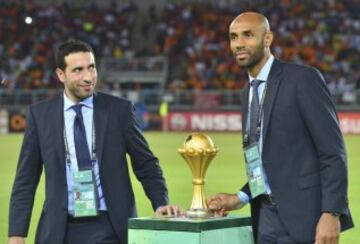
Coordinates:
[294,152]
[80,138]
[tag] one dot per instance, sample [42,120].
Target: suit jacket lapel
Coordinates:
[271,91]
[58,122]
[100,116]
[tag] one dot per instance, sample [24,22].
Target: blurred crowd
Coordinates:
[29,34]
[324,33]
[194,37]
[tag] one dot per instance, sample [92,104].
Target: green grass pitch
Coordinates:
[225,174]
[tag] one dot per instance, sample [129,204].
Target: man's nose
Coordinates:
[88,76]
[238,44]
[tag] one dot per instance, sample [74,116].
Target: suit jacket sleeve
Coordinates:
[320,117]
[145,165]
[27,177]
[246,189]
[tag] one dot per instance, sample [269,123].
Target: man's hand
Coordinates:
[328,229]
[16,240]
[168,210]
[221,203]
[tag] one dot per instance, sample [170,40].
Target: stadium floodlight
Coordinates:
[28,20]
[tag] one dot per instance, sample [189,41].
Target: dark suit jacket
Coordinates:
[117,133]
[303,150]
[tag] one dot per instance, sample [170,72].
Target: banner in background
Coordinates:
[204,121]
[14,121]
[17,121]
[4,121]
[349,122]
[231,121]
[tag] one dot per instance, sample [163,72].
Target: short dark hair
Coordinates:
[68,47]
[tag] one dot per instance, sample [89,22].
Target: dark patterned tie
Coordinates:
[254,112]
[81,145]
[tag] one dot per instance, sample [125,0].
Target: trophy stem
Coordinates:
[199,207]
[198,200]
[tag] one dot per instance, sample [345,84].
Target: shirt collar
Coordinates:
[87,102]
[265,70]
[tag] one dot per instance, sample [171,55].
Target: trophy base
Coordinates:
[199,213]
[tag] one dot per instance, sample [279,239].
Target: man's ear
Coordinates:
[60,74]
[268,38]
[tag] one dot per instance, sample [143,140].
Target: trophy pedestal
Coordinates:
[227,230]
[199,213]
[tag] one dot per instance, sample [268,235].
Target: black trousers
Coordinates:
[271,229]
[91,230]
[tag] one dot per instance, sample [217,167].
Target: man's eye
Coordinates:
[77,70]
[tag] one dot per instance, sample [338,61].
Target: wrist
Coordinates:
[333,214]
[236,202]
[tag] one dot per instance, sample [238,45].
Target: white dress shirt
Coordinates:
[263,75]
[69,115]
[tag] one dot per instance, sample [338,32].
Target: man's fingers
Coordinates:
[213,198]
[214,205]
[220,213]
[216,202]
[328,229]
[176,210]
[168,210]
[161,211]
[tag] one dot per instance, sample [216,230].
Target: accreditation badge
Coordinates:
[254,170]
[84,194]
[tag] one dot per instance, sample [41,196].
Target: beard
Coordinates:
[253,60]
[78,92]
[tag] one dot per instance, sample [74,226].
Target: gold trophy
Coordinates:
[198,151]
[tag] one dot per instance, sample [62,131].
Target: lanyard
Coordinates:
[246,137]
[93,144]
